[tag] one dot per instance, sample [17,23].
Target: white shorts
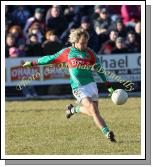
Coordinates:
[89,90]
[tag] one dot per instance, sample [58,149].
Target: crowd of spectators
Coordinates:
[43,30]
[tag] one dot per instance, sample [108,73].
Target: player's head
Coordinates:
[79,38]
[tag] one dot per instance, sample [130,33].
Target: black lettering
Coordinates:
[113,63]
[139,60]
[126,61]
[121,63]
[104,62]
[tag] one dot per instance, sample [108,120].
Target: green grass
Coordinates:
[41,128]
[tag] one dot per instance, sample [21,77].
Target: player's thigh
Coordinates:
[90,105]
[87,102]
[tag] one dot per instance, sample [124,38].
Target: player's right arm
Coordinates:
[59,57]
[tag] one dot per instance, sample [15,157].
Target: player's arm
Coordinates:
[100,71]
[59,57]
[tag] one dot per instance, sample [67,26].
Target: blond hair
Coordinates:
[76,34]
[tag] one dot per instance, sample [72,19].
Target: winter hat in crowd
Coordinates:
[104,10]
[120,40]
[85,19]
[39,10]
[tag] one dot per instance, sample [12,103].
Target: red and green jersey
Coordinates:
[80,64]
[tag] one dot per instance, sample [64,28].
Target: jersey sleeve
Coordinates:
[100,70]
[98,67]
[59,57]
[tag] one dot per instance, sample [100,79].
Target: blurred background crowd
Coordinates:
[42,30]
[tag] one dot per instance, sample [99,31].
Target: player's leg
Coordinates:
[92,107]
[79,94]
[71,110]
[110,135]
[98,119]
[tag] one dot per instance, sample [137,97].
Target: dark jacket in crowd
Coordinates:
[93,40]
[102,23]
[34,49]
[58,24]
[50,47]
[133,47]
[138,39]
[65,34]
[116,50]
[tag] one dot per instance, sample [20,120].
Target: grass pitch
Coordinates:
[41,128]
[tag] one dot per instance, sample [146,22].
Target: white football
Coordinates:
[119,96]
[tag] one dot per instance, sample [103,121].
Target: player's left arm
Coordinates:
[100,71]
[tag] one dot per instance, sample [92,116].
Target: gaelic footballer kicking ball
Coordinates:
[119,96]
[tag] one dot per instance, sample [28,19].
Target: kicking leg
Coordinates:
[99,121]
[92,108]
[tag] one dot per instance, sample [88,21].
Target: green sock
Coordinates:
[77,109]
[105,130]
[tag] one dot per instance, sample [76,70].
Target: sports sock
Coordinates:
[105,130]
[75,109]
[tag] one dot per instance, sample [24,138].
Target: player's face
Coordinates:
[82,43]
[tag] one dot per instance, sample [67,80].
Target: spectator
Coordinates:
[16,31]
[56,22]
[120,27]
[37,18]
[52,44]
[22,50]
[75,23]
[14,52]
[48,14]
[109,45]
[36,29]
[96,14]
[93,41]
[120,46]
[115,11]
[20,40]
[20,14]
[8,19]
[130,14]
[131,43]
[138,33]
[102,24]
[34,47]
[65,34]
[70,13]
[10,42]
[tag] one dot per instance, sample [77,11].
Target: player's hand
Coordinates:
[27,64]
[110,90]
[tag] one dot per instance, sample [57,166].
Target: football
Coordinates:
[119,96]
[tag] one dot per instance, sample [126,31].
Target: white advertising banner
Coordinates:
[127,66]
